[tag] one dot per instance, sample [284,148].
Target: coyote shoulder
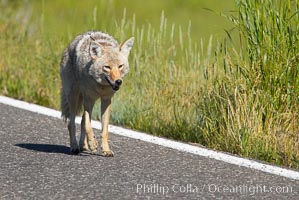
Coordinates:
[92,66]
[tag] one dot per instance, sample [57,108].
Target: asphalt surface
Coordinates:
[35,164]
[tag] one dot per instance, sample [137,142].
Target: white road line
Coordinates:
[161,141]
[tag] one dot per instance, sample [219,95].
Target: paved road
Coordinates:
[35,164]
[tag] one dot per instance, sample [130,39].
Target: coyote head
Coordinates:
[109,63]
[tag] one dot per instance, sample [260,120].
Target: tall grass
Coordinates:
[27,62]
[257,102]
[241,99]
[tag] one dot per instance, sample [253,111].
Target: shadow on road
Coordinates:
[48,148]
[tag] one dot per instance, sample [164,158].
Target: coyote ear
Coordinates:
[126,46]
[95,50]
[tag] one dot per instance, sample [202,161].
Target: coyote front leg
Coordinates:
[105,114]
[88,140]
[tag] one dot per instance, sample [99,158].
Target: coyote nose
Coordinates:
[118,82]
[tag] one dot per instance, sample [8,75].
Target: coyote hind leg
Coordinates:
[73,101]
[72,132]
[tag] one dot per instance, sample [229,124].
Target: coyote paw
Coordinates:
[108,153]
[74,150]
[93,145]
[84,149]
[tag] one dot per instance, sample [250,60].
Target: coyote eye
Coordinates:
[120,66]
[106,67]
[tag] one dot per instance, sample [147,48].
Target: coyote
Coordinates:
[92,67]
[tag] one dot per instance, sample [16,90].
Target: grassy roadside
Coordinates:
[241,99]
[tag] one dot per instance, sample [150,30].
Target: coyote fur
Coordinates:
[92,67]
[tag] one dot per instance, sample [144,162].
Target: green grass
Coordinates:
[191,79]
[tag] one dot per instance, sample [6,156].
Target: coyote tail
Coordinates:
[65,107]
